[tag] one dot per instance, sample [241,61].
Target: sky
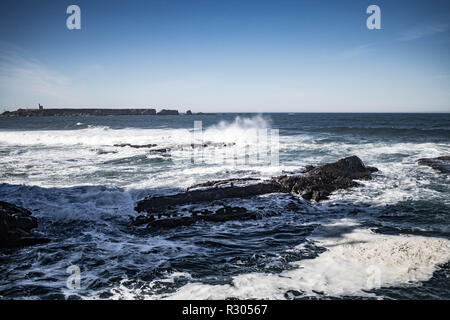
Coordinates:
[226,55]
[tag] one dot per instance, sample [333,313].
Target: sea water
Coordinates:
[388,238]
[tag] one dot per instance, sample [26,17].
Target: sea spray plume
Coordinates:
[245,141]
[240,130]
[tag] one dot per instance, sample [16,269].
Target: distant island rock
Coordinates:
[165,112]
[67,112]
[41,112]
[189,113]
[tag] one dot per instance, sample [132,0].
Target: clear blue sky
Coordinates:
[226,55]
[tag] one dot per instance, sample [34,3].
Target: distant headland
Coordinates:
[68,112]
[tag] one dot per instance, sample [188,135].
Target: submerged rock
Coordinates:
[226,213]
[15,227]
[440,164]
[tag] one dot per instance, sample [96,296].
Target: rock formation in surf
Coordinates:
[316,183]
[440,164]
[16,224]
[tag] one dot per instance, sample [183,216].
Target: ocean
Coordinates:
[387,239]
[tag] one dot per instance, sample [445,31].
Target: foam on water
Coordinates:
[356,260]
[77,183]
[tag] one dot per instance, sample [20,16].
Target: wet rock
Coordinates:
[158,203]
[316,184]
[350,167]
[219,216]
[101,152]
[16,224]
[137,146]
[217,183]
[141,219]
[440,164]
[160,150]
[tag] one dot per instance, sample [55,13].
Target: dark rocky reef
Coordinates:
[218,183]
[78,112]
[440,164]
[317,183]
[137,146]
[165,112]
[160,203]
[226,213]
[191,146]
[16,224]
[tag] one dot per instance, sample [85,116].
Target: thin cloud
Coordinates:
[22,73]
[356,51]
[423,32]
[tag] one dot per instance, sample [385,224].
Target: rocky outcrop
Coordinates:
[218,183]
[137,146]
[165,112]
[159,203]
[440,164]
[189,113]
[316,184]
[16,224]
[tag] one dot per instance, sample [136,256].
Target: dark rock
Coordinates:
[16,224]
[189,113]
[217,183]
[440,164]
[350,167]
[100,152]
[137,146]
[165,112]
[141,219]
[161,150]
[217,217]
[316,184]
[158,203]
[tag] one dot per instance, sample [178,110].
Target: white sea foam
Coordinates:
[356,260]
